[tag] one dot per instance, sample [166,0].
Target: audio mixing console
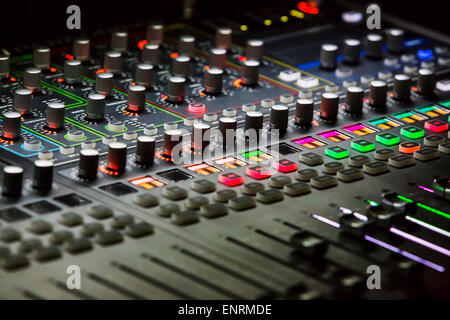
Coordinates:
[200,161]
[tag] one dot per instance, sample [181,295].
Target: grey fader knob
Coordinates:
[253,50]
[95,108]
[181,66]
[136,98]
[32,79]
[104,83]
[395,40]
[250,72]
[82,49]
[72,71]
[144,74]
[378,95]
[155,33]
[41,57]
[304,112]
[223,38]
[402,87]
[4,66]
[88,164]
[22,101]
[329,106]
[213,80]
[113,61]
[328,56]
[186,45]
[12,181]
[151,53]
[354,100]
[218,58]
[43,175]
[145,150]
[119,41]
[54,119]
[426,82]
[351,52]
[176,89]
[373,46]
[11,125]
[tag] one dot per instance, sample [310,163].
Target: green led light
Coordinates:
[445,103]
[388,139]
[363,145]
[373,203]
[412,132]
[423,206]
[252,154]
[337,152]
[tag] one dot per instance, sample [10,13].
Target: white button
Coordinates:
[286,98]
[307,82]
[366,79]
[210,117]
[108,140]
[230,113]
[289,75]
[248,107]
[32,144]
[329,88]
[150,130]
[267,103]
[305,94]
[347,84]
[129,135]
[75,135]
[116,126]
[384,75]
[410,69]
[67,150]
[170,126]
[88,145]
[189,122]
[45,155]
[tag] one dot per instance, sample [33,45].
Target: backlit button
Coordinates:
[269,196]
[388,139]
[296,189]
[412,132]
[242,203]
[231,179]
[426,154]
[436,125]
[401,161]
[332,167]
[376,167]
[433,141]
[384,154]
[337,152]
[363,145]
[358,161]
[444,148]
[349,175]
[284,165]
[310,158]
[306,174]
[323,182]
[279,181]
[258,172]
[225,195]
[408,147]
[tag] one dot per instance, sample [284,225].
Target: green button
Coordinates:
[388,139]
[337,152]
[363,145]
[412,132]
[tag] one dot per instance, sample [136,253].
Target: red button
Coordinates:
[231,179]
[436,125]
[258,172]
[408,147]
[285,165]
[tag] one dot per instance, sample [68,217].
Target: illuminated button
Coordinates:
[388,139]
[231,179]
[433,141]
[363,145]
[376,167]
[426,154]
[285,165]
[425,54]
[401,161]
[384,154]
[436,125]
[289,75]
[408,147]
[196,107]
[412,132]
[337,152]
[258,172]
[358,161]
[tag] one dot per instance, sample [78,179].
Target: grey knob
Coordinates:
[43,175]
[351,51]
[218,58]
[54,119]
[136,98]
[4,66]
[32,79]
[354,100]
[119,41]
[22,101]
[151,53]
[145,150]
[12,181]
[402,87]
[117,156]
[304,112]
[88,164]
[113,61]
[378,95]
[41,57]
[223,38]
[181,66]
[144,74]
[186,45]
[72,71]
[329,106]
[176,89]
[426,82]
[95,108]
[253,50]
[11,125]
[155,33]
[213,80]
[395,40]
[82,49]
[250,72]
[373,46]
[104,83]
[328,56]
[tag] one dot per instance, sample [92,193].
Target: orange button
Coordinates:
[408,147]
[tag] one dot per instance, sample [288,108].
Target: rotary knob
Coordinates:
[377,95]
[395,40]
[43,175]
[223,38]
[351,52]
[176,89]
[155,34]
[55,116]
[11,125]
[186,45]
[354,100]
[279,116]
[218,58]
[72,71]
[227,129]
[329,106]
[12,181]
[373,46]
[151,53]
[119,41]
[117,157]
[104,83]
[41,57]
[22,101]
[82,49]
[145,150]
[88,164]
[250,72]
[181,66]
[113,61]
[328,56]
[402,87]
[213,80]
[304,112]
[32,79]
[253,122]
[253,50]
[426,82]
[95,108]
[144,74]
[172,143]
[136,98]
[4,66]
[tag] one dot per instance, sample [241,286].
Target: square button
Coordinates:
[258,172]
[284,165]
[13,214]
[408,147]
[363,145]
[231,179]
[118,189]
[42,207]
[72,200]
[412,132]
[436,125]
[337,152]
[388,139]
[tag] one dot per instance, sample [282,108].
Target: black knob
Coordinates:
[377,95]
[172,139]
[351,52]
[373,46]
[4,66]
[329,106]
[426,82]
[95,108]
[81,49]
[72,71]
[279,116]
[218,58]
[145,150]
[136,98]
[11,125]
[117,157]
[223,38]
[227,128]
[328,56]
[354,100]
[151,53]
[186,45]
[250,72]
[104,83]
[201,136]
[254,121]
[402,87]
[22,101]
[119,41]
[181,66]
[113,61]
[395,39]
[43,175]
[88,164]
[176,89]
[144,74]
[253,49]
[55,116]
[155,33]
[304,112]
[32,79]
[41,57]
[213,80]
[12,181]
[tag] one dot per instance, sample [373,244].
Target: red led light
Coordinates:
[237,83]
[242,58]
[307,8]
[142,43]
[174,55]
[196,107]
[68,56]
[258,172]
[12,79]
[53,69]
[99,71]
[285,165]
[436,125]
[231,179]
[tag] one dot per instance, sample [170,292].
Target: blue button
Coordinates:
[425,54]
